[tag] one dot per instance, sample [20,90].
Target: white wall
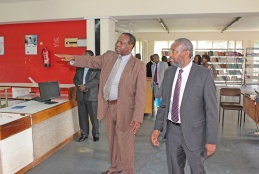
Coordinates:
[248,38]
[78,9]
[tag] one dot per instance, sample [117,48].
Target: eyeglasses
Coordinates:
[174,52]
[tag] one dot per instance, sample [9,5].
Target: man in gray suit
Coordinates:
[87,81]
[188,115]
[158,70]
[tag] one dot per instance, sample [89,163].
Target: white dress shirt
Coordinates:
[85,72]
[185,75]
[115,83]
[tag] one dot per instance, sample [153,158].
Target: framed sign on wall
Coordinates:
[31,44]
[1,45]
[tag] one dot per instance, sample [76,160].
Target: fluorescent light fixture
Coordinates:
[231,24]
[163,24]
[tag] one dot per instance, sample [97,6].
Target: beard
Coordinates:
[179,64]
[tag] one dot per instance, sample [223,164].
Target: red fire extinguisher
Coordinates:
[45,57]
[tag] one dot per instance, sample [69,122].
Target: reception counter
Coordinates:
[50,126]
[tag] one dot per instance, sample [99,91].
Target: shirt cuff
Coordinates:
[71,62]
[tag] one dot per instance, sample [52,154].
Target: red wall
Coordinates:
[15,66]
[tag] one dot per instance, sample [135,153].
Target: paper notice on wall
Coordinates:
[1,45]
[31,44]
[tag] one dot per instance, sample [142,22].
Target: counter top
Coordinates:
[31,85]
[31,107]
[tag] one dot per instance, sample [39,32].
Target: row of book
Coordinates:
[219,53]
[230,60]
[229,72]
[232,66]
[252,54]
[228,78]
[252,65]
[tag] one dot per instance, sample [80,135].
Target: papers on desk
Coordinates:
[18,107]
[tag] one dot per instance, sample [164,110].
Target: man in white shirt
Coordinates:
[158,69]
[121,99]
[188,114]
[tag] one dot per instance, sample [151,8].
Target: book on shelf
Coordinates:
[219,53]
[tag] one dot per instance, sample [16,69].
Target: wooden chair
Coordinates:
[226,105]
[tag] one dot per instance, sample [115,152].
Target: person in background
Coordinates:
[164,59]
[86,81]
[206,64]
[121,99]
[148,67]
[197,59]
[158,70]
[138,56]
[188,113]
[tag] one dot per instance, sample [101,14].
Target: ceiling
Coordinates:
[181,23]
[16,1]
[188,23]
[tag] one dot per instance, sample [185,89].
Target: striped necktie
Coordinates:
[175,105]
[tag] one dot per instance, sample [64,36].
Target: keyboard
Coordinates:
[38,99]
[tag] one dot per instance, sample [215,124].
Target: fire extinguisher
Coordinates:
[45,57]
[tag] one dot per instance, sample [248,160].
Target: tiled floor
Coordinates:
[237,152]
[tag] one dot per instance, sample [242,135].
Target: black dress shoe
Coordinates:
[96,138]
[82,138]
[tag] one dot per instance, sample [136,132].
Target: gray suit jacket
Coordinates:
[199,114]
[160,74]
[92,82]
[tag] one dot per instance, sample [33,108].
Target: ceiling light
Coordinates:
[163,24]
[231,24]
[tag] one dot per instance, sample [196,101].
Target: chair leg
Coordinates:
[219,114]
[240,117]
[244,116]
[223,117]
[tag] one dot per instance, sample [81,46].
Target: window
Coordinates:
[159,45]
[239,44]
[256,45]
[220,44]
[204,44]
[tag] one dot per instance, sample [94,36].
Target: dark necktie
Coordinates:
[175,105]
[155,75]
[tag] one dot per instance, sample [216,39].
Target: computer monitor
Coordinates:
[48,91]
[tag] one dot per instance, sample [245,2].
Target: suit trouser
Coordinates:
[156,90]
[177,152]
[86,108]
[121,144]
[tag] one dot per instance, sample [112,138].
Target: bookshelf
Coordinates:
[165,52]
[229,64]
[252,66]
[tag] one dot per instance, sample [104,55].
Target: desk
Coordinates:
[149,100]
[51,126]
[71,89]
[15,142]
[250,108]
[5,94]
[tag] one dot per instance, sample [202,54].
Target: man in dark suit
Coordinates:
[188,115]
[121,99]
[87,81]
[148,67]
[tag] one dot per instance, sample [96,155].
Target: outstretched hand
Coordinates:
[65,57]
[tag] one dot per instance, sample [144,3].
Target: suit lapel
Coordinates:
[128,67]
[189,83]
[170,82]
